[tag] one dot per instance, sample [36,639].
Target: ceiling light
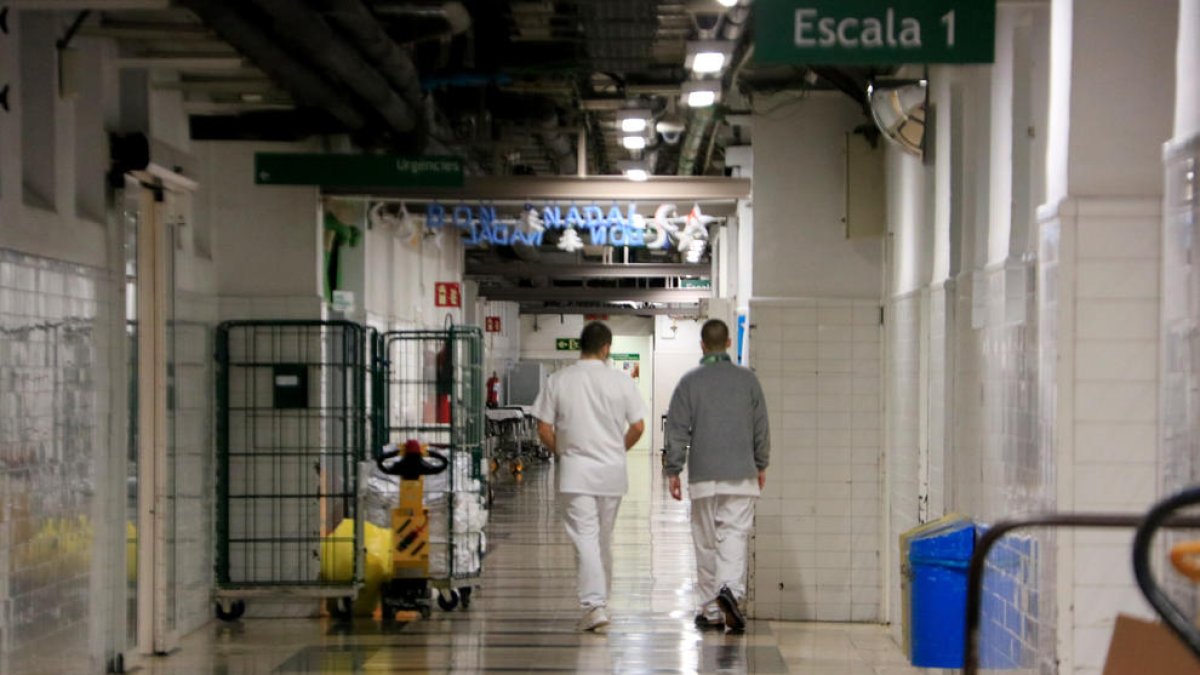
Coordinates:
[634,142]
[708,62]
[633,121]
[701,93]
[728,3]
[707,57]
[634,170]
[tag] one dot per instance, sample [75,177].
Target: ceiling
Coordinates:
[515,87]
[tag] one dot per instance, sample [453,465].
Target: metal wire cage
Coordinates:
[292,430]
[434,385]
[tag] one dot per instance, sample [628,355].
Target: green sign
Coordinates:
[625,357]
[357,171]
[567,344]
[875,32]
[696,283]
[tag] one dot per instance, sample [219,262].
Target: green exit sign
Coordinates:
[875,32]
[356,171]
[566,344]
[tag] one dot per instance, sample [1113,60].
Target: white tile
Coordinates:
[1111,360]
[1116,401]
[839,316]
[1117,279]
[1116,320]
[1115,486]
[1118,239]
[1116,443]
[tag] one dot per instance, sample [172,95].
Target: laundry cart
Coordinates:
[291,442]
[434,384]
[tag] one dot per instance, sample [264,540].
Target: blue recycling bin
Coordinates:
[937,563]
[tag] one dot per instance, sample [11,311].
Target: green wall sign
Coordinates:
[566,344]
[357,171]
[875,32]
[625,357]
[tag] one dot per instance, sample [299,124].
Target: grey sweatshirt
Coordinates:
[717,425]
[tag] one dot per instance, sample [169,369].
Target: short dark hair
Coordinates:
[595,336]
[715,335]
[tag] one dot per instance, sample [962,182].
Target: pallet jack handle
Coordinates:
[1181,556]
[415,461]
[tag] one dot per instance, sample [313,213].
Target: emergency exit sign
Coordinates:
[875,32]
[356,171]
[566,344]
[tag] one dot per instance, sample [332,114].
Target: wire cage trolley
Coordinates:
[292,431]
[433,386]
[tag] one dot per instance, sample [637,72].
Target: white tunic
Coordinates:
[591,407]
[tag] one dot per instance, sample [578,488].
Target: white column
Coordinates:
[1112,93]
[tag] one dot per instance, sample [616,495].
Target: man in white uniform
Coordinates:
[717,426]
[589,415]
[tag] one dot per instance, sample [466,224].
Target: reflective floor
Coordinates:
[523,613]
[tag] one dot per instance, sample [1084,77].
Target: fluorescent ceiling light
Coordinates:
[634,142]
[633,125]
[701,93]
[728,3]
[633,121]
[634,170]
[708,62]
[708,57]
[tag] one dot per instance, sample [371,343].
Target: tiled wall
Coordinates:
[818,533]
[999,466]
[191,408]
[902,425]
[1103,293]
[54,416]
[1179,462]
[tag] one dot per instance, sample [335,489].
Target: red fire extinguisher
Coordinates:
[493,391]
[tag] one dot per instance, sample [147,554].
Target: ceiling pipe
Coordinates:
[307,33]
[453,14]
[700,126]
[305,83]
[364,30]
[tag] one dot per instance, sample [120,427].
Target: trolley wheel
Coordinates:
[448,600]
[236,609]
[465,594]
[341,609]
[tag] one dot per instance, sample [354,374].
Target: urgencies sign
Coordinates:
[580,226]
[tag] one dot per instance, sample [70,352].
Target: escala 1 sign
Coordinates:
[875,32]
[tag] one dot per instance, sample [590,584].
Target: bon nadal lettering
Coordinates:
[480,225]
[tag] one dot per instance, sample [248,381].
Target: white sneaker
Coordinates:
[594,619]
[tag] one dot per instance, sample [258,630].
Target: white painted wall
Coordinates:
[800,247]
[1187,57]
[676,351]
[267,241]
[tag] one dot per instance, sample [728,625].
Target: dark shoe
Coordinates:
[704,623]
[735,621]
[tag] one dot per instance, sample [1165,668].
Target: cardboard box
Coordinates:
[1142,647]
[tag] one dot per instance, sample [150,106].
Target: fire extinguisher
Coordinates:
[445,383]
[493,391]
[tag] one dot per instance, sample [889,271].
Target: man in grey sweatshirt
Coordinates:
[717,426]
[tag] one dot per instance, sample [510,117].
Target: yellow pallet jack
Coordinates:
[408,589]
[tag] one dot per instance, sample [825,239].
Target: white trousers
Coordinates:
[721,534]
[589,520]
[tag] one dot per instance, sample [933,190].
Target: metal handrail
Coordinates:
[996,532]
